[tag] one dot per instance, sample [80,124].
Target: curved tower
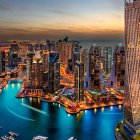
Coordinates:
[132,67]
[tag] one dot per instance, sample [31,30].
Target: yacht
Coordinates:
[72,138]
[13,134]
[40,138]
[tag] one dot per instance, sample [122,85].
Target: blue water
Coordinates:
[29,118]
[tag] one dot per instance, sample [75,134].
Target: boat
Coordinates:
[13,134]
[72,138]
[7,138]
[40,138]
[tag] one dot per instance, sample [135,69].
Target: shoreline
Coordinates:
[76,111]
[81,109]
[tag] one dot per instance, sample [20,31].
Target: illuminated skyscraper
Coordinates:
[119,60]
[65,50]
[117,77]
[132,68]
[30,56]
[79,81]
[54,72]
[85,59]
[76,54]
[94,67]
[107,55]
[2,62]
[35,70]
[45,59]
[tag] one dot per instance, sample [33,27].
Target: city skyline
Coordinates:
[68,69]
[55,19]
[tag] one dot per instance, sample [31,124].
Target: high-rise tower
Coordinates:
[2,62]
[79,81]
[54,72]
[35,70]
[107,55]
[94,67]
[132,67]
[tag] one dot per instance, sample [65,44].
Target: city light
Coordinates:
[22,100]
[95,110]
[120,107]
[103,109]
[75,70]
[30,100]
[111,107]
[12,85]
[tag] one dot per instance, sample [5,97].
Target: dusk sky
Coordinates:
[53,19]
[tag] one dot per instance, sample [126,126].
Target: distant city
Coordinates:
[42,82]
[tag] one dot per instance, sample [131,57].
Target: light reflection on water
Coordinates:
[57,124]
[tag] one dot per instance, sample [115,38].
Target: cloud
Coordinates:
[9,22]
[43,33]
[63,13]
[13,30]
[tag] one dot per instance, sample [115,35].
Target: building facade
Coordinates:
[132,67]
[119,61]
[85,59]
[79,81]
[2,62]
[65,50]
[54,72]
[107,56]
[94,67]
[35,77]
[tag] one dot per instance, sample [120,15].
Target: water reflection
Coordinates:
[52,120]
[111,108]
[95,110]
[103,109]
[120,107]
[19,85]
[22,100]
[12,85]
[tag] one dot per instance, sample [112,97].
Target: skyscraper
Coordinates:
[77,54]
[94,67]
[79,81]
[35,70]
[54,72]
[2,62]
[30,56]
[65,50]
[85,59]
[119,60]
[132,68]
[107,55]
[117,77]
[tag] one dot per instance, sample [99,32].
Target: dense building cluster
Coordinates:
[45,62]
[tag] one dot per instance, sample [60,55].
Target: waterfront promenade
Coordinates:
[75,108]
[70,106]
